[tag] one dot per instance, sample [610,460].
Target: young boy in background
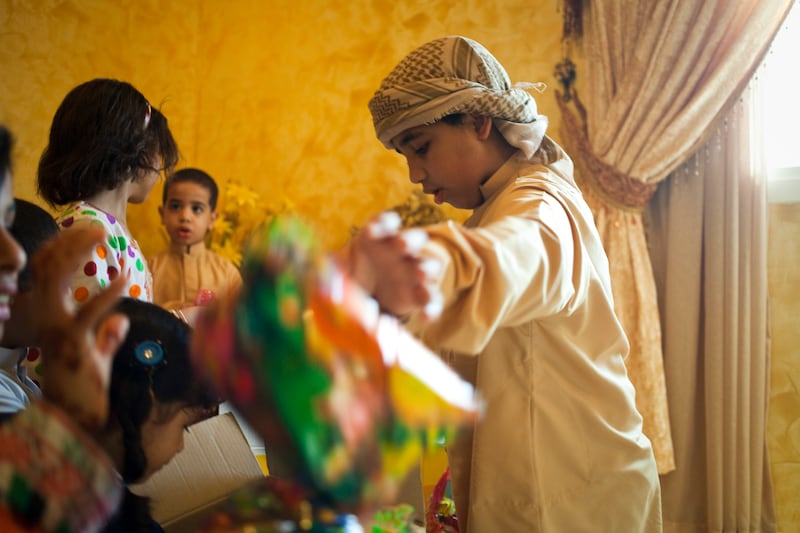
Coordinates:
[187,274]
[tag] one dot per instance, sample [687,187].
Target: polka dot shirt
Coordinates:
[118,255]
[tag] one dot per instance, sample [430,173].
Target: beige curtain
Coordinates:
[708,236]
[659,73]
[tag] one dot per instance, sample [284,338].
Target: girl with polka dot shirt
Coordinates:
[119,253]
[107,148]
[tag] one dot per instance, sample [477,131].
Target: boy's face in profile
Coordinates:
[187,214]
[450,161]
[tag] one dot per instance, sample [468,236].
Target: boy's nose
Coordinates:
[416,173]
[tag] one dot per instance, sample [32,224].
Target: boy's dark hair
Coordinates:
[6,142]
[32,227]
[172,383]
[101,137]
[456,119]
[193,175]
[547,151]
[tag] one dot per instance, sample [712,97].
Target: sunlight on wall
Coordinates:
[783,424]
[272,94]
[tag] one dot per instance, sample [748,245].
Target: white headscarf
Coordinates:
[455,75]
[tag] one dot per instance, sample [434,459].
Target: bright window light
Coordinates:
[782,92]
[781,89]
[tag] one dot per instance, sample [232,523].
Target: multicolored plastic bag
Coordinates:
[340,392]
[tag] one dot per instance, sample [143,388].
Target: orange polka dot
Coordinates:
[100,251]
[135,291]
[121,263]
[81,294]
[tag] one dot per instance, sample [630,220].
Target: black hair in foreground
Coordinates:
[6,142]
[173,384]
[32,227]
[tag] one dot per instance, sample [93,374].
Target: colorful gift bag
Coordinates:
[340,392]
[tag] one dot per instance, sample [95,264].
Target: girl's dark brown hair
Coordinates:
[104,133]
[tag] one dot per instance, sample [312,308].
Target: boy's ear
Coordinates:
[483,125]
[213,218]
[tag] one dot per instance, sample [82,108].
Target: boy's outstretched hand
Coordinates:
[77,345]
[386,261]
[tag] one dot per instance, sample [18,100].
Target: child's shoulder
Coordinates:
[221,259]
[84,213]
[161,262]
[161,254]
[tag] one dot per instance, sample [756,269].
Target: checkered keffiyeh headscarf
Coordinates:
[455,75]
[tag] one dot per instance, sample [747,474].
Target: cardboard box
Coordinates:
[216,460]
[256,442]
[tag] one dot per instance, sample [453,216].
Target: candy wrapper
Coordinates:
[274,505]
[340,393]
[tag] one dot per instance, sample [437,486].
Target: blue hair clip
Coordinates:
[149,353]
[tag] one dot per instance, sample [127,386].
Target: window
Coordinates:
[782,112]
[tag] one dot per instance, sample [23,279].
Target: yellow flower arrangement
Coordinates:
[418,210]
[241,211]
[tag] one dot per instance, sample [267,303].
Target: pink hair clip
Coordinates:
[147,116]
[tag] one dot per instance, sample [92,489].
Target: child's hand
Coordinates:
[387,263]
[204,297]
[77,345]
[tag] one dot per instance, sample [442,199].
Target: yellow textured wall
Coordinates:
[783,429]
[272,93]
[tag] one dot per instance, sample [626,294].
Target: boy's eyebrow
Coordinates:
[407,138]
